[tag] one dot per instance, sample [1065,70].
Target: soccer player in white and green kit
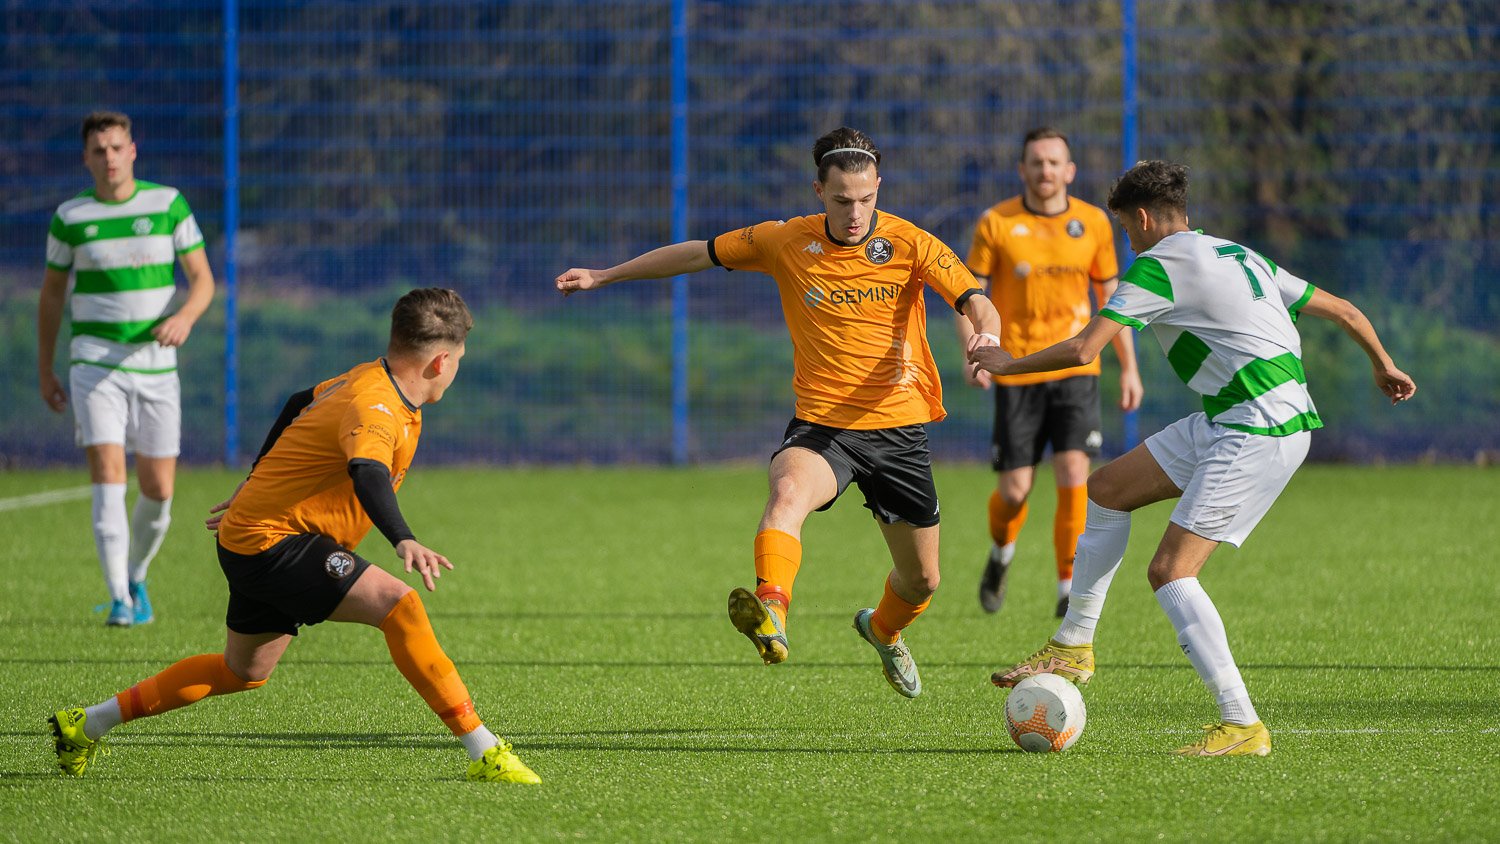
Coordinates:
[119,240]
[1225,316]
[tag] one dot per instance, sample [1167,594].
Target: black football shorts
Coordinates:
[892,467]
[298,581]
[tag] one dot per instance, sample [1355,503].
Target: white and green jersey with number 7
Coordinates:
[1224,315]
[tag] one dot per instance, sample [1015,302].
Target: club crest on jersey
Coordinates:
[878,250]
[339,564]
[141,226]
[813,297]
[1075,228]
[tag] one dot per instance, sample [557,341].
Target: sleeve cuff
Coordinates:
[1121,318]
[958,304]
[713,253]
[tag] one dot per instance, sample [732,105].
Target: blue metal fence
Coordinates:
[337,152]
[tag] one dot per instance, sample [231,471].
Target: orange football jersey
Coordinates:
[1040,268]
[856,315]
[302,484]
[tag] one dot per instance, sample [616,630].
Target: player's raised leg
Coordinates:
[384,602]
[801,481]
[908,592]
[1128,483]
[247,662]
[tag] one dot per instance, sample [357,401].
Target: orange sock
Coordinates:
[1072,511]
[778,555]
[1005,519]
[181,683]
[415,649]
[894,614]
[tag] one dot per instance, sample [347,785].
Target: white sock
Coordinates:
[1100,550]
[1064,587]
[478,740]
[148,527]
[112,537]
[102,717]
[1004,553]
[1200,632]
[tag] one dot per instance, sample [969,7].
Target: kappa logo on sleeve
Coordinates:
[383,409]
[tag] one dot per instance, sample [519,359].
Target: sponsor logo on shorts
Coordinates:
[1075,227]
[339,564]
[1094,439]
[878,250]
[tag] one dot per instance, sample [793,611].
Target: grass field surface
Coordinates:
[586,614]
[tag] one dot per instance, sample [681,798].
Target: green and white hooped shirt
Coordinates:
[1224,315]
[123,256]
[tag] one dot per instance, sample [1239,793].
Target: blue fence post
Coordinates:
[231,230]
[679,231]
[1130,148]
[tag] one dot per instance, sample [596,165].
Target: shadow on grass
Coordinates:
[292,660]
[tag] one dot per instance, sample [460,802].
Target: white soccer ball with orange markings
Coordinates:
[1044,714]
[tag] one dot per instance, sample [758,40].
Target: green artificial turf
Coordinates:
[586,614]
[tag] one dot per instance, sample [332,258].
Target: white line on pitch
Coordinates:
[40,499]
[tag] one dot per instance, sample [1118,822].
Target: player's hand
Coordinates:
[216,512]
[975,376]
[577,280]
[427,562]
[989,358]
[173,331]
[53,393]
[1396,385]
[1131,390]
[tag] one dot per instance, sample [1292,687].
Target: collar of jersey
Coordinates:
[1027,209]
[874,221]
[395,386]
[93,193]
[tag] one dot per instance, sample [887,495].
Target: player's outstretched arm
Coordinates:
[1075,351]
[689,256]
[1395,384]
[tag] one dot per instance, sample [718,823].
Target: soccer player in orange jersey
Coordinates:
[851,282]
[1041,252]
[328,472]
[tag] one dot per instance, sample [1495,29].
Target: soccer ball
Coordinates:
[1044,714]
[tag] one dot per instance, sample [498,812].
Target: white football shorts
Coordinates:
[139,411]
[1229,479]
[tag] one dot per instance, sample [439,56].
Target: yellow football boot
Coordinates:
[74,749]
[499,764]
[760,624]
[1074,664]
[1226,739]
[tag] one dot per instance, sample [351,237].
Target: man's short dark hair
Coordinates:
[429,317]
[98,121]
[847,159]
[1042,133]
[1157,186]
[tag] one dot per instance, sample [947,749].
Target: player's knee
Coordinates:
[1159,575]
[929,583]
[249,675]
[1105,490]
